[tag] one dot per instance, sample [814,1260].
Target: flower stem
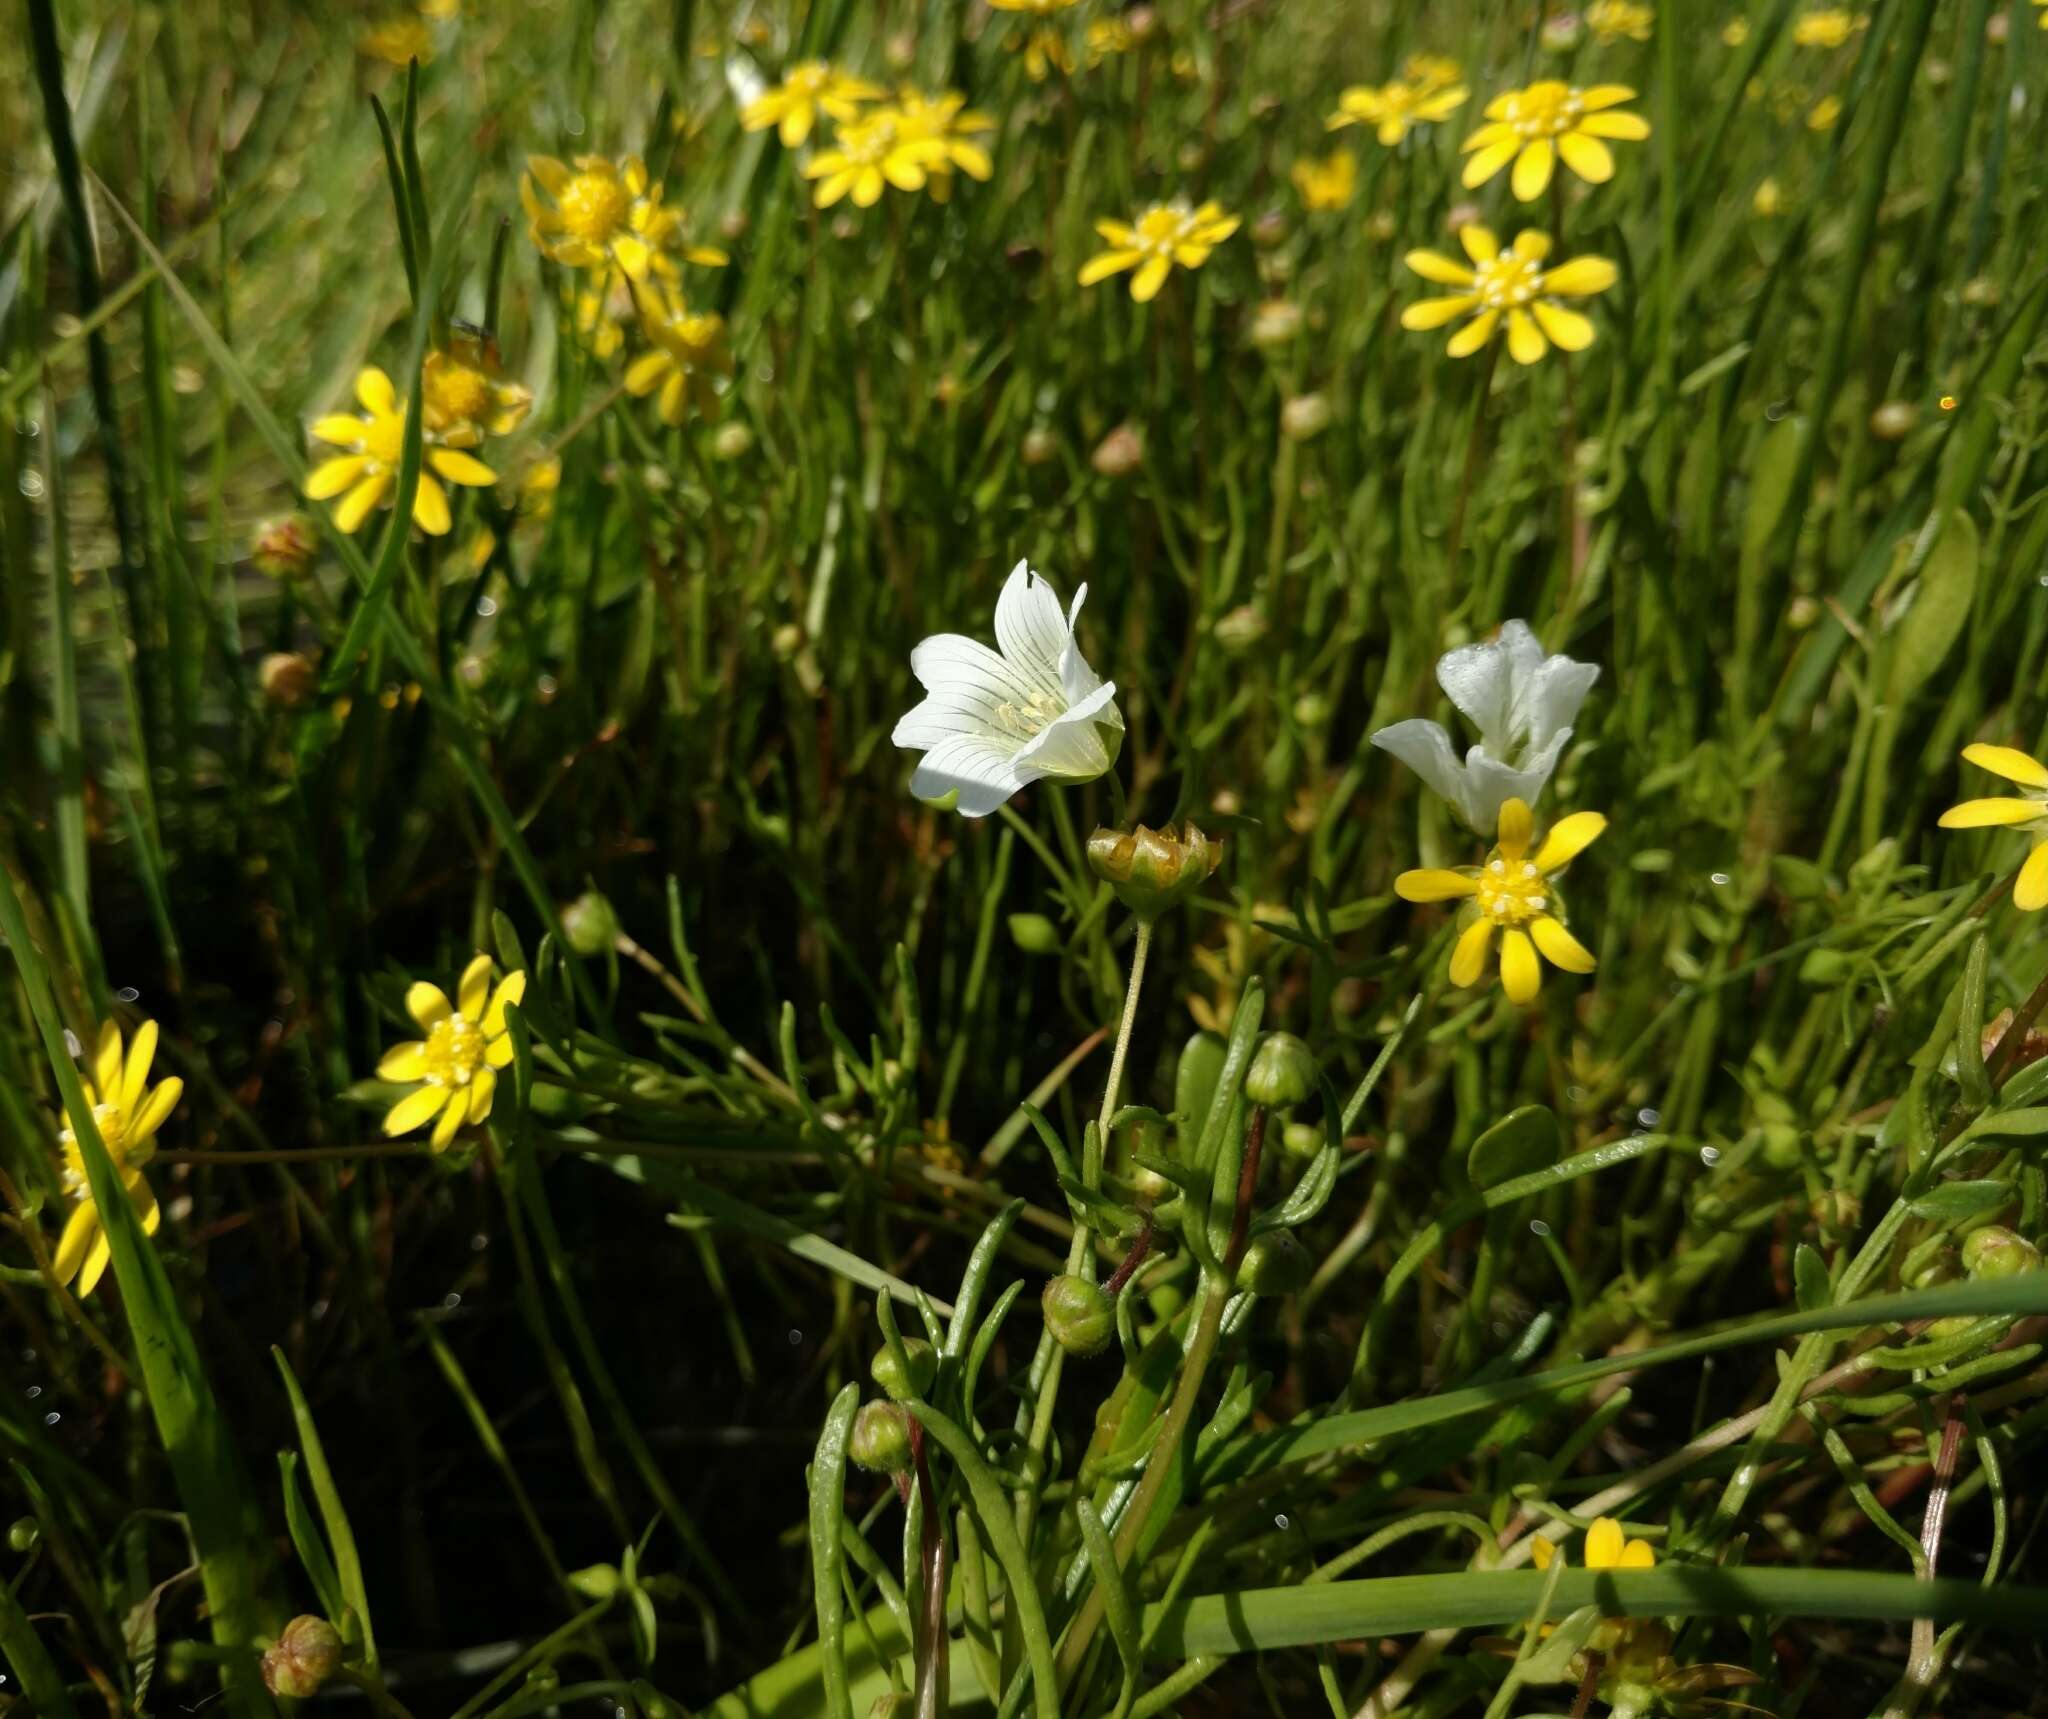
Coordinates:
[931,1638]
[1475,436]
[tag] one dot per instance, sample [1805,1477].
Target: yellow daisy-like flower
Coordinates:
[1326,182]
[2026,810]
[128,1111]
[689,356]
[1045,51]
[1164,235]
[950,127]
[1828,28]
[603,214]
[1547,122]
[457,1063]
[1107,36]
[369,470]
[1395,109]
[1611,20]
[1512,285]
[466,398]
[397,43]
[876,150]
[1606,1549]
[806,91]
[1514,894]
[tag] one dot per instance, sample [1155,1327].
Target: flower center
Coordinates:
[869,144]
[1510,279]
[1545,110]
[1511,892]
[384,437]
[455,1051]
[1160,229]
[457,394]
[809,79]
[593,206]
[1028,721]
[112,1122]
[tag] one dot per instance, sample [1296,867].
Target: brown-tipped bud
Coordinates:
[1078,1315]
[1039,446]
[1995,1251]
[903,1382]
[1269,229]
[1119,453]
[303,1658]
[1283,1072]
[881,1439]
[284,547]
[589,924]
[1152,870]
[287,679]
[1240,629]
[1274,1264]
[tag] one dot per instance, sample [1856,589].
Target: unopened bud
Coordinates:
[1151,870]
[1460,216]
[1305,416]
[1274,1264]
[881,1439]
[1120,452]
[1034,934]
[1078,1315]
[1893,421]
[1241,629]
[1275,322]
[732,442]
[1381,226]
[23,1533]
[1562,33]
[1269,229]
[1302,1139]
[733,224]
[1995,1252]
[589,924]
[284,547]
[1283,1072]
[287,679]
[1040,445]
[303,1658]
[905,1382]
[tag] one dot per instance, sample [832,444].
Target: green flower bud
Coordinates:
[1034,934]
[590,925]
[895,1380]
[1151,870]
[303,1658]
[23,1533]
[1274,1264]
[1283,1072]
[1995,1252]
[1302,1139]
[1079,1315]
[881,1439]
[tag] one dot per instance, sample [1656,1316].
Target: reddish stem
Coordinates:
[932,1643]
[1247,1182]
[1132,1260]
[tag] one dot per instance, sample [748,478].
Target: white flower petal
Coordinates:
[1071,745]
[983,774]
[1031,627]
[1548,698]
[1479,680]
[947,662]
[1426,749]
[1077,679]
[1489,783]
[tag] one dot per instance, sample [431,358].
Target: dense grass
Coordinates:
[566,1404]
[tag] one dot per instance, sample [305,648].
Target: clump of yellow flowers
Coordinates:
[603,214]
[1548,122]
[1830,27]
[1612,20]
[127,1111]
[2027,810]
[807,90]
[1162,237]
[1427,91]
[457,1063]
[1510,286]
[912,144]
[367,471]
[1515,895]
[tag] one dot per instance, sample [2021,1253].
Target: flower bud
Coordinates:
[1460,216]
[1274,323]
[1120,452]
[287,679]
[303,1658]
[880,1442]
[1283,1072]
[732,442]
[900,1382]
[284,547]
[1302,1139]
[1240,630]
[1274,1264]
[23,1533]
[1269,229]
[1040,445]
[1151,870]
[1381,225]
[590,925]
[1562,32]
[1304,417]
[1995,1252]
[1893,421]
[1034,934]
[1078,1315]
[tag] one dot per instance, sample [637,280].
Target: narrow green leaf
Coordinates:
[348,1567]
[1116,1592]
[828,1504]
[310,1546]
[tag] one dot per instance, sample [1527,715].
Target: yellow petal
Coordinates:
[1525,340]
[1435,312]
[1623,127]
[1473,335]
[1605,95]
[330,477]
[1468,957]
[550,172]
[1118,233]
[106,1063]
[474,989]
[404,1062]
[1559,947]
[1580,278]
[458,467]
[430,508]
[1145,284]
[632,255]
[1432,884]
[375,391]
[1541,1551]
[1603,1544]
[1566,328]
[135,1071]
[646,371]
[355,506]
[96,1259]
[414,1109]
[1515,827]
[79,1231]
[343,429]
[1532,170]
[1532,246]
[1637,1555]
[1106,263]
[2030,888]
[450,1119]
[1521,974]
[427,1004]
[499,1052]
[1434,266]
[1587,156]
[1568,838]
[511,992]
[481,1089]
[2009,762]
[1488,162]
[1981,814]
[154,1111]
[146,1208]
[1480,243]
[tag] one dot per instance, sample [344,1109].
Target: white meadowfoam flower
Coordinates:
[993,721]
[1521,701]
